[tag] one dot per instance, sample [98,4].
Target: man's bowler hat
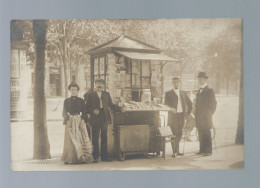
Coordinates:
[175,78]
[202,75]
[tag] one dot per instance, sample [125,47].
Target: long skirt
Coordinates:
[77,145]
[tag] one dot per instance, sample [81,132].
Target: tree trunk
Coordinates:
[69,66]
[65,66]
[162,82]
[240,123]
[227,84]
[65,59]
[218,82]
[41,141]
[77,69]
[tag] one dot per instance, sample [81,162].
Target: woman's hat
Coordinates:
[73,84]
[202,75]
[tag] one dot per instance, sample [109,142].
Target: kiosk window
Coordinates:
[146,74]
[136,74]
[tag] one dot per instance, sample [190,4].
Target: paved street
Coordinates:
[226,154]
[226,157]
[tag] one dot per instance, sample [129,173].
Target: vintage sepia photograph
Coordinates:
[127,94]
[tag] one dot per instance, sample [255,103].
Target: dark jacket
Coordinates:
[171,100]
[205,107]
[92,103]
[85,97]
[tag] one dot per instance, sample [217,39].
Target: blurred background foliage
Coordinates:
[212,45]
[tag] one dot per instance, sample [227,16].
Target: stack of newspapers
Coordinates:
[141,106]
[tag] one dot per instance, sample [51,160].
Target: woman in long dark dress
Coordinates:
[77,145]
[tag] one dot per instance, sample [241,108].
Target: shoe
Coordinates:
[207,154]
[199,153]
[174,155]
[95,161]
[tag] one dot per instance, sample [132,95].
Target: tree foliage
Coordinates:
[224,54]
[212,45]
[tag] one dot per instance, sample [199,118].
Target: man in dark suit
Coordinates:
[99,104]
[204,109]
[181,108]
[86,118]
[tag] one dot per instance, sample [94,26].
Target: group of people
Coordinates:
[78,114]
[204,108]
[95,109]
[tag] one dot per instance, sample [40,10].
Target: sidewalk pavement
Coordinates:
[54,106]
[225,157]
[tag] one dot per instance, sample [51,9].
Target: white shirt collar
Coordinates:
[204,85]
[99,93]
[176,90]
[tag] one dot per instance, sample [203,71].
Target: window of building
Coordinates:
[55,82]
[99,68]
[73,76]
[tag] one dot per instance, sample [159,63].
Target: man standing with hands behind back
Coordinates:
[204,109]
[99,104]
[181,106]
